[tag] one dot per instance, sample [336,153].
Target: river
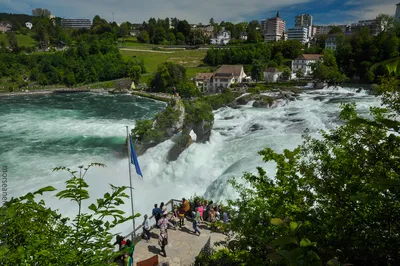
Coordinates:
[40,132]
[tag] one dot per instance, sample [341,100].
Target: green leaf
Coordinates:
[295,253]
[45,189]
[274,257]
[293,226]
[284,240]
[306,243]
[333,262]
[93,207]
[276,221]
[21,249]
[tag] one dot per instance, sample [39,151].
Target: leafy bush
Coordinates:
[220,100]
[32,232]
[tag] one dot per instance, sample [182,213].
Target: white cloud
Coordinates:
[138,10]
[370,9]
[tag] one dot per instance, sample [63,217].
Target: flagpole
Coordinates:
[130,178]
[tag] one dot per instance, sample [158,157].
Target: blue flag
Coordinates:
[134,159]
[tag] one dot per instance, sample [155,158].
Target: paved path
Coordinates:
[183,246]
[143,50]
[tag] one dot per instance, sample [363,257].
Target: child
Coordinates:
[128,260]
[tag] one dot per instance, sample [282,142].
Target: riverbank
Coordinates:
[165,97]
[50,91]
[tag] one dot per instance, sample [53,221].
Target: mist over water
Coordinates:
[40,132]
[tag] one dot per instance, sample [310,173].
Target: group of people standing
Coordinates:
[198,212]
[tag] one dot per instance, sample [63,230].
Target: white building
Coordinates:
[397,15]
[222,37]
[305,61]
[304,20]
[243,36]
[331,42]
[204,81]
[226,75]
[28,25]
[298,33]
[272,74]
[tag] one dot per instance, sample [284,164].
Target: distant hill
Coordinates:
[15,18]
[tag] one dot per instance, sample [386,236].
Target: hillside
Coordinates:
[23,40]
[15,18]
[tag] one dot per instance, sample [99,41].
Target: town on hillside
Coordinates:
[216,55]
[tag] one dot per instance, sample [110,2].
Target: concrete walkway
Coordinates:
[183,246]
[149,51]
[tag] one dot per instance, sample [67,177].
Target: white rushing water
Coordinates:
[237,137]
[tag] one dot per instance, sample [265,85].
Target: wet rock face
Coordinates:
[181,144]
[203,131]
[256,127]
[261,104]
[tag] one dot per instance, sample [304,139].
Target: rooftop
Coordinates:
[202,76]
[309,57]
[272,70]
[232,69]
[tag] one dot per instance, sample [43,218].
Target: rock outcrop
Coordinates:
[203,130]
[181,144]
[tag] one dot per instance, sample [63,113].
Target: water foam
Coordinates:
[237,136]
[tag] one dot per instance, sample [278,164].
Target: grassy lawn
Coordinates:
[23,40]
[189,59]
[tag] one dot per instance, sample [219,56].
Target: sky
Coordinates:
[324,12]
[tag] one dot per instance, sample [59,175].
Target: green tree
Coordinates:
[12,41]
[171,38]
[257,70]
[32,232]
[299,73]
[335,30]
[41,12]
[159,35]
[180,38]
[328,69]
[167,76]
[340,190]
[286,74]
[143,37]
[187,90]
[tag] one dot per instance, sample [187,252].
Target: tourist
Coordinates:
[129,248]
[217,214]
[161,205]
[146,227]
[163,239]
[186,207]
[119,242]
[181,216]
[201,211]
[156,213]
[175,216]
[128,260]
[205,211]
[225,217]
[212,215]
[196,217]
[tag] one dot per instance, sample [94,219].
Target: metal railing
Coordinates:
[170,207]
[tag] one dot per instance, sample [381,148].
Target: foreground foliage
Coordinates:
[33,234]
[338,197]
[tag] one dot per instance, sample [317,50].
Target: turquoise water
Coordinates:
[40,132]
